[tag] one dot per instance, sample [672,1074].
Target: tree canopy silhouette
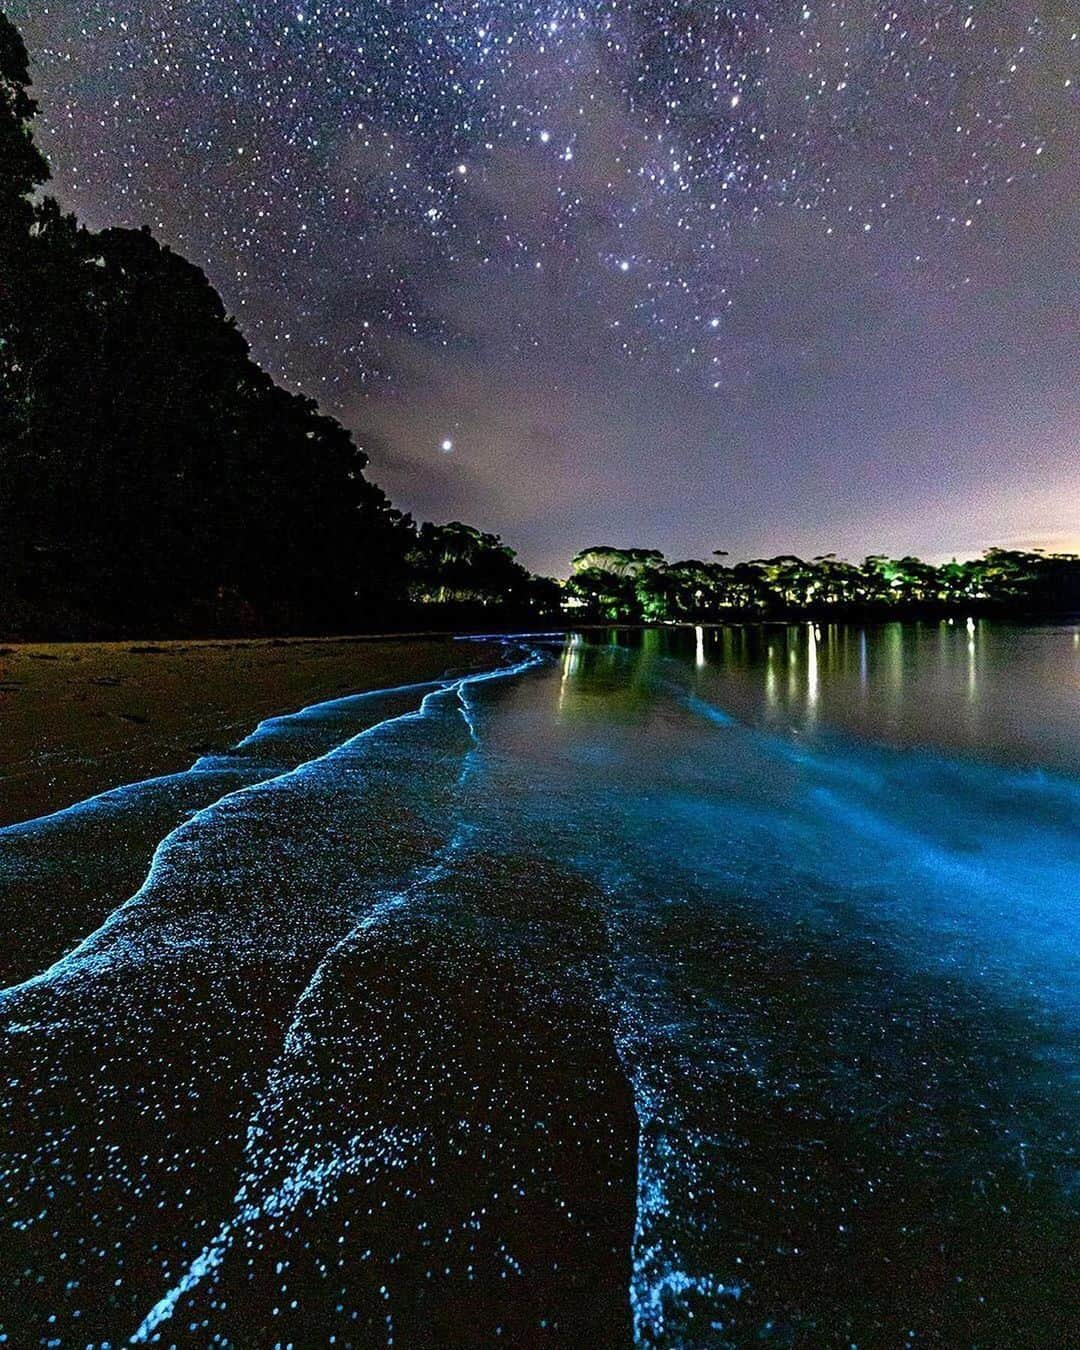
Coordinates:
[153,477]
[470,572]
[639,585]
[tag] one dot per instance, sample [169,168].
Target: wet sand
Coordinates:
[79,718]
[331,1075]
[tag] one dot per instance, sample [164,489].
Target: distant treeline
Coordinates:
[640,585]
[155,481]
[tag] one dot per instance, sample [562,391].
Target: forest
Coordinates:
[155,481]
[640,586]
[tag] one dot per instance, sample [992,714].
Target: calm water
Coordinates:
[706,988]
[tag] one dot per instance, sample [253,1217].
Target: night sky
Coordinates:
[689,276]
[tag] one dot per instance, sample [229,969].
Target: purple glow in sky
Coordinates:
[689,276]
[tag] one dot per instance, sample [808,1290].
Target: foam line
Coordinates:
[111,796]
[310,1174]
[83,956]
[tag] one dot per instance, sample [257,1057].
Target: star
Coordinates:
[815,187]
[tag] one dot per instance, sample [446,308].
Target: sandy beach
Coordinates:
[78,718]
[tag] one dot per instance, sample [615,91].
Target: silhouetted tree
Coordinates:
[22,169]
[463,570]
[152,477]
[628,585]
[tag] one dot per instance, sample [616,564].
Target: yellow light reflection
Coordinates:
[812,665]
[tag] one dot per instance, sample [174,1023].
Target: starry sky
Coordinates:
[766,278]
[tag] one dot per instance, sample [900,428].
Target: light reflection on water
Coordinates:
[710,986]
[841,867]
[1002,692]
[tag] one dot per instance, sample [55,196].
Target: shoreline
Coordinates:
[470,625]
[77,719]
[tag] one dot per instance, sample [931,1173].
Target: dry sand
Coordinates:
[78,718]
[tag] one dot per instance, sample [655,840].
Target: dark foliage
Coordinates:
[638,585]
[472,577]
[153,478]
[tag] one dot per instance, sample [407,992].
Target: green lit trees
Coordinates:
[603,581]
[619,562]
[638,585]
[596,593]
[461,570]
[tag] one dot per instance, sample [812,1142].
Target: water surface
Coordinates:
[673,988]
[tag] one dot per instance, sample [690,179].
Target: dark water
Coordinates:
[686,989]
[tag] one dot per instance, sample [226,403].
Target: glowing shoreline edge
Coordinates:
[74,961]
[311,1176]
[657,1273]
[112,795]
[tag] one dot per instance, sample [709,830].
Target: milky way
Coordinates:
[685,275]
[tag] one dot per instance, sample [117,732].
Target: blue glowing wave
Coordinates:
[819,960]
